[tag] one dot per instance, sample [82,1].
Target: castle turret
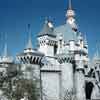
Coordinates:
[7,66]
[6,58]
[71,16]
[30,58]
[47,39]
[81,66]
[65,60]
[80,78]
[96,67]
[70,46]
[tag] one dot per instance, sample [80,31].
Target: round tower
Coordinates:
[96,67]
[6,62]
[65,61]
[30,59]
[79,70]
[5,58]
[30,63]
[80,79]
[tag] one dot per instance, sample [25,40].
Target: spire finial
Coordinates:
[46,20]
[29,45]
[5,57]
[97,51]
[85,39]
[97,48]
[5,54]
[70,4]
[71,16]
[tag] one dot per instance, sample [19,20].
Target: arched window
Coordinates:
[88,90]
[55,49]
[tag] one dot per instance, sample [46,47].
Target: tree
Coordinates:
[25,86]
[14,86]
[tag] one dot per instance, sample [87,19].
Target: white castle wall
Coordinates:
[47,50]
[80,85]
[67,79]
[31,71]
[96,93]
[47,45]
[51,85]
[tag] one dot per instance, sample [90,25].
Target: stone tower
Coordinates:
[7,67]
[30,60]
[79,72]
[96,67]
[46,39]
[6,61]
[72,54]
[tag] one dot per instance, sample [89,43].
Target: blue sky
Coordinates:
[16,14]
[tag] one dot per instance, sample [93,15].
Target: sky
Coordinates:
[15,15]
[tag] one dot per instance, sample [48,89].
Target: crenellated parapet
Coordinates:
[45,40]
[65,58]
[30,55]
[33,57]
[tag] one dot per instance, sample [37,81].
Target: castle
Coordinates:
[60,62]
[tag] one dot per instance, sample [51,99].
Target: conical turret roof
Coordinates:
[6,58]
[47,29]
[97,53]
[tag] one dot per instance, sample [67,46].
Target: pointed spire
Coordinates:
[80,36]
[48,29]
[97,52]
[5,52]
[29,44]
[46,20]
[85,40]
[71,16]
[70,4]
[5,57]
[70,11]
[48,23]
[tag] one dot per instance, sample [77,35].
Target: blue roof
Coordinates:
[67,32]
[47,30]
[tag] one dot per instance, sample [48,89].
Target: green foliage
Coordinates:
[25,86]
[16,86]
